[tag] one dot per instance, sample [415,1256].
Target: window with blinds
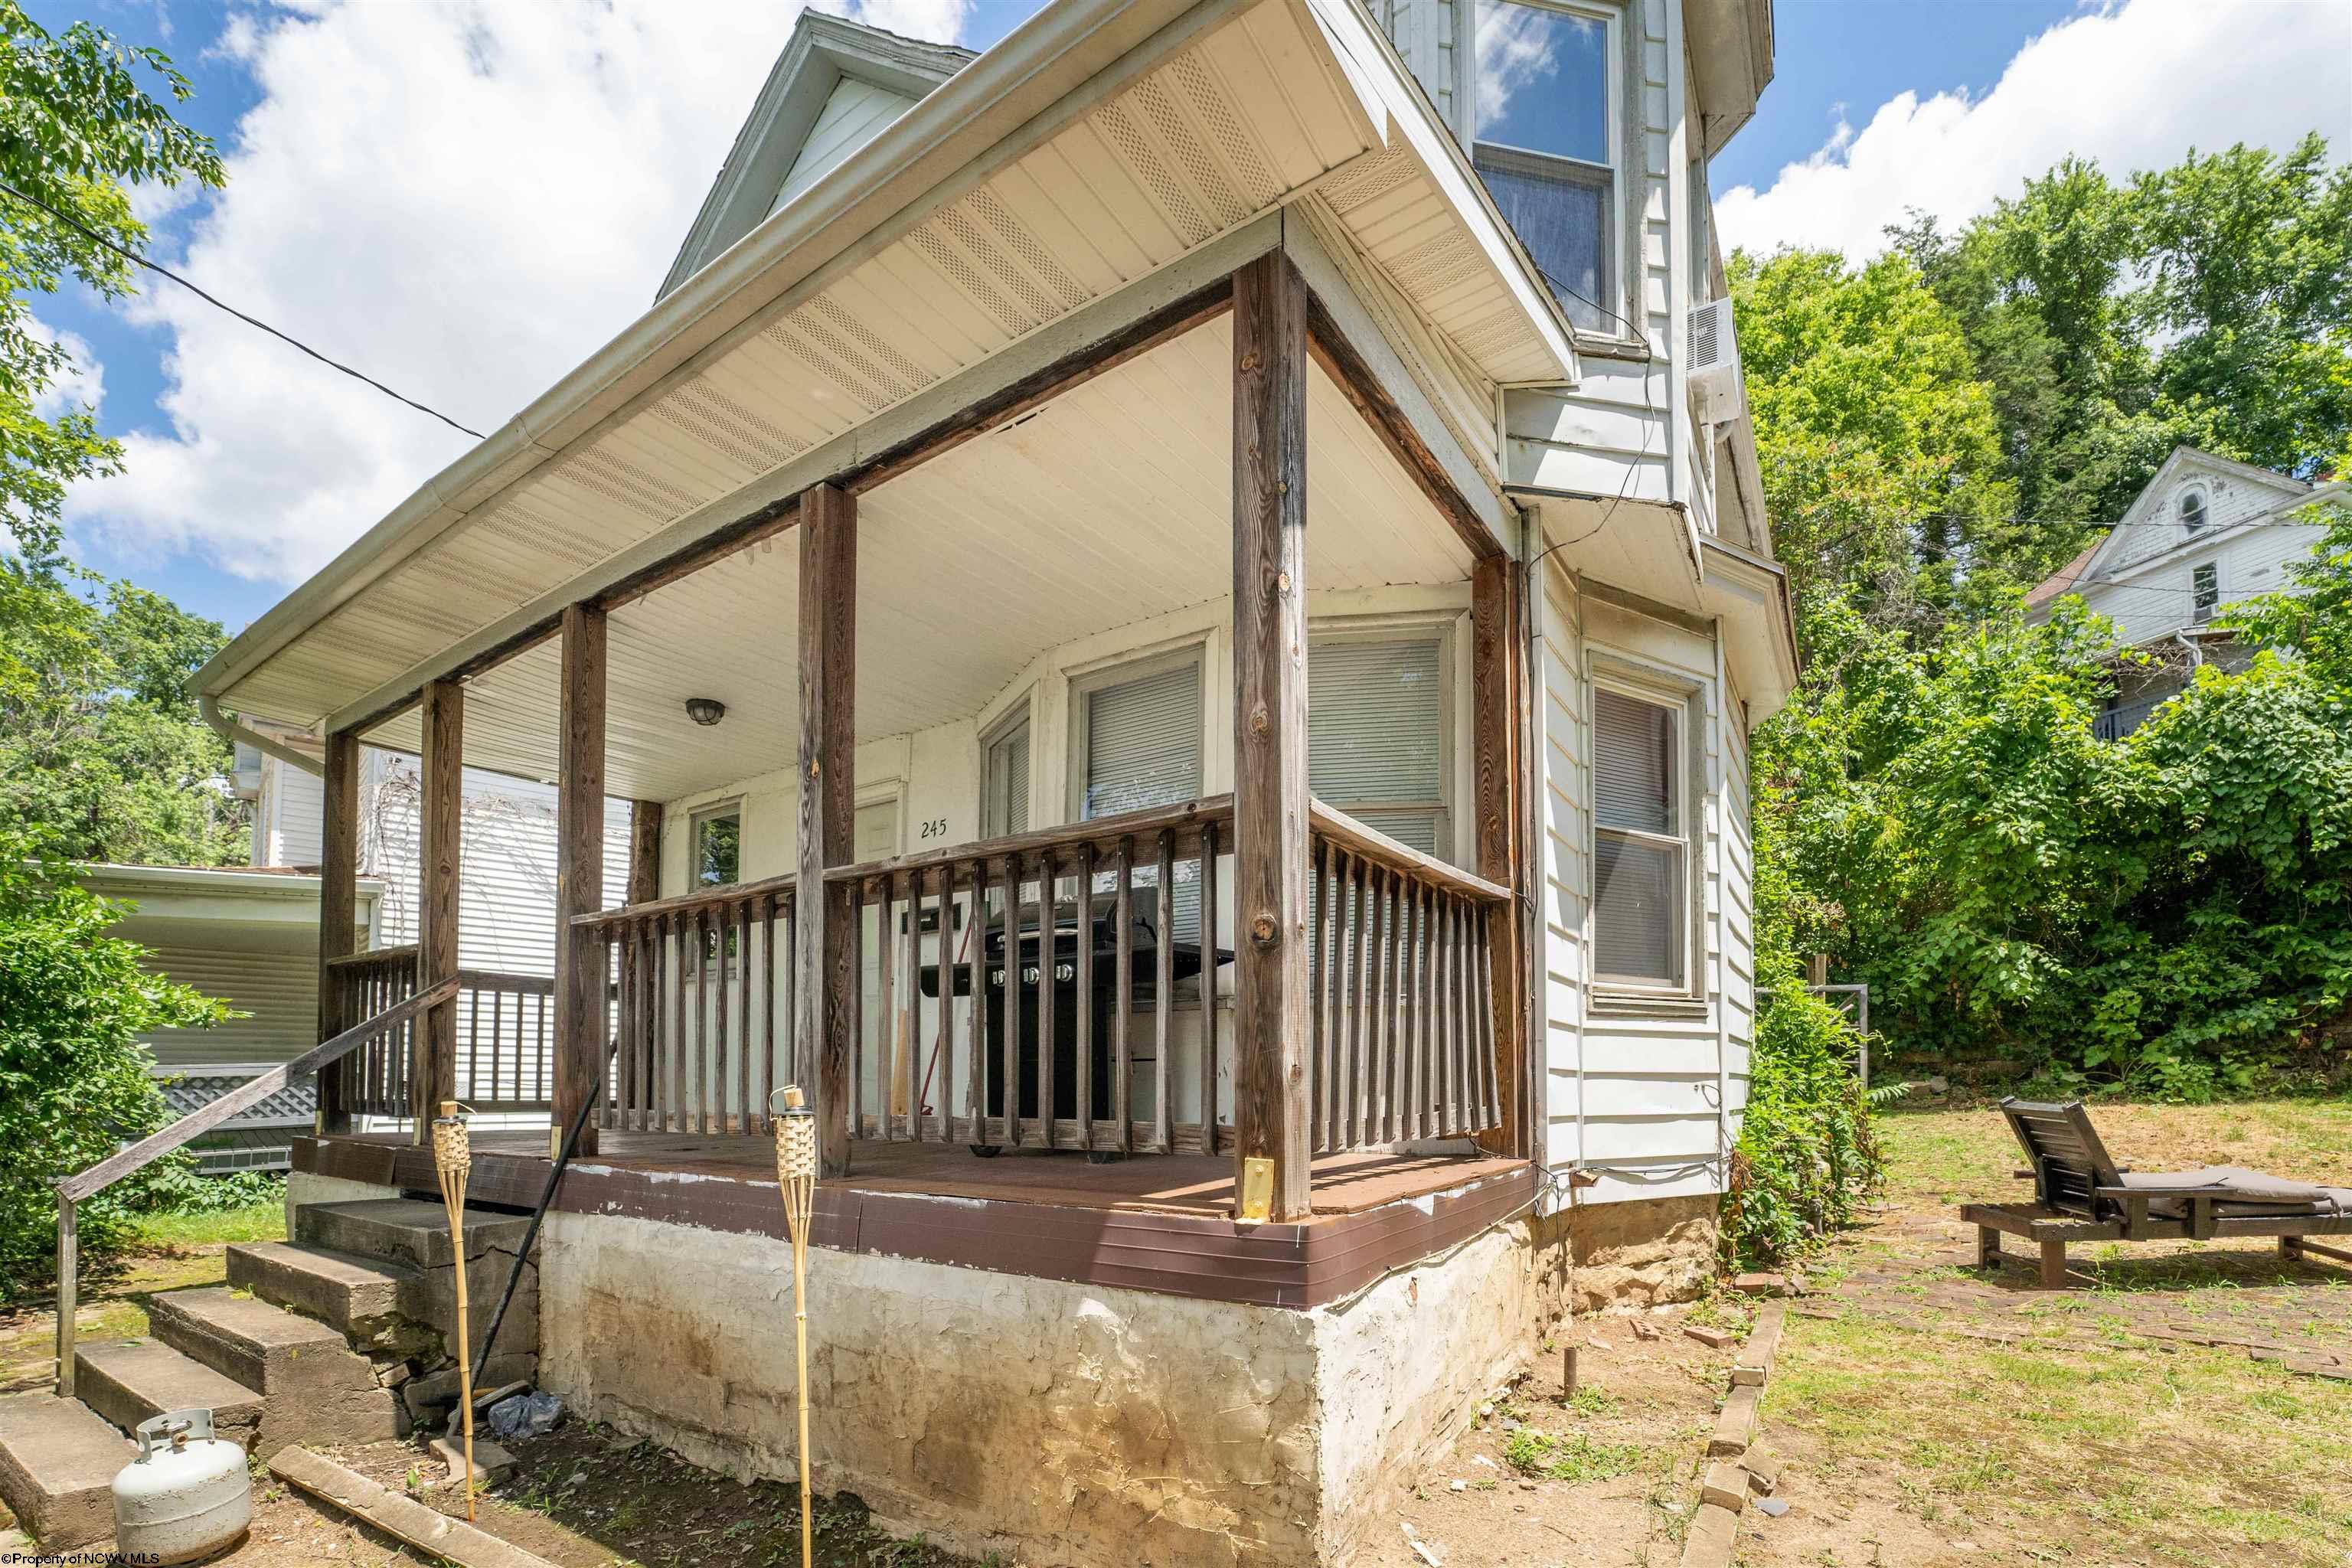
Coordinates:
[1640,902]
[1376,735]
[1004,784]
[1143,749]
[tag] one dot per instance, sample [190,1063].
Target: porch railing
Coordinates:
[506,1035]
[701,990]
[1020,1027]
[1400,991]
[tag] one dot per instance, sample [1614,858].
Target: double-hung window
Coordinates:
[1376,735]
[1640,848]
[716,848]
[1005,783]
[1542,104]
[2205,592]
[1139,746]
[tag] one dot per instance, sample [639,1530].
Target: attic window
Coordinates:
[2192,510]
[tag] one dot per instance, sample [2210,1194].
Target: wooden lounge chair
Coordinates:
[2080,1194]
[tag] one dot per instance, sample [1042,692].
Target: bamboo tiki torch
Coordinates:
[453,1159]
[796,1171]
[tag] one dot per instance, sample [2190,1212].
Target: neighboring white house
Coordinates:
[2205,532]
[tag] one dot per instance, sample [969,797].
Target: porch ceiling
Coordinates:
[1110,504]
[1102,143]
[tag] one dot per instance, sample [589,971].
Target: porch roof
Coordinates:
[1108,506]
[1099,144]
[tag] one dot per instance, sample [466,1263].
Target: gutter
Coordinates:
[237,734]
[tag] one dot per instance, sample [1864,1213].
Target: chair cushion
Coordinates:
[2248,1193]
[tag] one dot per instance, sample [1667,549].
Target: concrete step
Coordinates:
[58,1462]
[315,1388]
[130,1382]
[406,1230]
[378,1306]
[408,1233]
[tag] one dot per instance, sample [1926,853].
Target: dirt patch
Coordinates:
[1609,1478]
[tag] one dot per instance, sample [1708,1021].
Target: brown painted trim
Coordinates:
[1354,377]
[1198,1257]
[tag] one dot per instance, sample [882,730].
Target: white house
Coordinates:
[1227,529]
[2205,532]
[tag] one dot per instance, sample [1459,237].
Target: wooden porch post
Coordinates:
[339,876]
[645,851]
[828,660]
[580,1035]
[433,1074]
[1270,798]
[1498,668]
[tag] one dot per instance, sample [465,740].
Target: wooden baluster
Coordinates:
[1459,1085]
[1359,1023]
[914,1051]
[976,983]
[941,1068]
[1317,968]
[855,1022]
[1208,988]
[674,1113]
[1490,1102]
[747,1119]
[1047,1099]
[1085,978]
[1164,997]
[885,999]
[1400,1035]
[766,1087]
[1015,870]
[1441,1017]
[715,982]
[1377,1034]
[1425,966]
[1122,1090]
[709,995]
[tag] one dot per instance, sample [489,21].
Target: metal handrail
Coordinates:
[75,1189]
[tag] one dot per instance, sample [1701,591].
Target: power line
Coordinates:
[137,260]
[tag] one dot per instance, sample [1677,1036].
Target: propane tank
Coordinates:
[186,1496]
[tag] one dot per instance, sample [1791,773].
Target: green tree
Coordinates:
[1879,446]
[74,1079]
[76,129]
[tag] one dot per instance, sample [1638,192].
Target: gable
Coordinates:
[2233,492]
[836,86]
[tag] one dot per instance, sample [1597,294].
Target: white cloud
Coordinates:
[83,382]
[2134,86]
[463,200]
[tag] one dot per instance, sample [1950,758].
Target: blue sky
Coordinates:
[466,206]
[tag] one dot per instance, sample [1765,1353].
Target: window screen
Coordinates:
[1143,742]
[1640,887]
[2205,591]
[1376,736]
[1143,749]
[1007,783]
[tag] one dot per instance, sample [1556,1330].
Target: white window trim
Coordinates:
[1614,293]
[697,960]
[1116,670]
[2219,590]
[1015,717]
[1444,628]
[2204,511]
[1685,698]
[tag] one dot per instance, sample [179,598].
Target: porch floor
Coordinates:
[1162,1183]
[1158,1222]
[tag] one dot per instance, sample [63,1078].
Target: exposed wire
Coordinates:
[136,259]
[1649,409]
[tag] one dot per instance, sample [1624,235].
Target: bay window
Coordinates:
[1543,142]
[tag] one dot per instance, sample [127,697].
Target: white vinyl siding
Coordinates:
[1638,845]
[279,991]
[1376,736]
[856,113]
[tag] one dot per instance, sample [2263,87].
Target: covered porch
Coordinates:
[1242,973]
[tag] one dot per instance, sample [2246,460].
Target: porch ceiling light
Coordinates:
[705,710]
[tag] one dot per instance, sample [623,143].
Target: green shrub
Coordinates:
[75,1082]
[179,1190]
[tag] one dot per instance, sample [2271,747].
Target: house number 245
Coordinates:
[937,827]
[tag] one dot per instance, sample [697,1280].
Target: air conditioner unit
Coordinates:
[1717,397]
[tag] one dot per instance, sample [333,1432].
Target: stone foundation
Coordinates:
[1066,1423]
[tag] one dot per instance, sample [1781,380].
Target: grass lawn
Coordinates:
[1945,1414]
[175,1251]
